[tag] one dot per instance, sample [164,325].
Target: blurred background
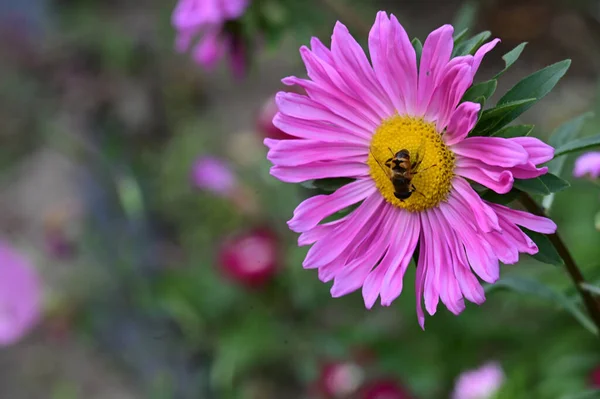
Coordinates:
[135,186]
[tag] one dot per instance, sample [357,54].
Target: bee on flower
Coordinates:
[396,126]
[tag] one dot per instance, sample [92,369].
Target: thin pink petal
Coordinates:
[300,152]
[588,163]
[467,197]
[494,151]
[452,86]
[539,152]
[311,211]
[526,219]
[317,130]
[493,177]
[463,120]
[320,170]
[436,54]
[481,52]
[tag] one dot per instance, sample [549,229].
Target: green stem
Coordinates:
[591,304]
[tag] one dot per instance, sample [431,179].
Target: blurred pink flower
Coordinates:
[340,379]
[213,174]
[205,20]
[250,259]
[588,164]
[20,295]
[481,383]
[384,389]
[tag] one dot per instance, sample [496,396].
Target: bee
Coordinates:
[401,170]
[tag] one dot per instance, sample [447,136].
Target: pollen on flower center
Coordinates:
[432,163]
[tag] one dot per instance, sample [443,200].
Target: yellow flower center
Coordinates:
[419,178]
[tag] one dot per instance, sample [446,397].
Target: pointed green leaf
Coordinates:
[546,251]
[514,131]
[492,118]
[502,199]
[511,57]
[542,185]
[418,49]
[568,130]
[483,89]
[471,45]
[578,145]
[529,286]
[536,86]
[460,36]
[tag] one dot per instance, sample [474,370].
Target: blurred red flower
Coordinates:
[250,258]
[384,389]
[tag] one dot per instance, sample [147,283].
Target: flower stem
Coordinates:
[591,304]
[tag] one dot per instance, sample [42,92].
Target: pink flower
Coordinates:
[340,379]
[354,120]
[213,174]
[588,163]
[481,383]
[384,389]
[20,295]
[205,20]
[250,258]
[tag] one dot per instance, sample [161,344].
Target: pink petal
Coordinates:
[494,151]
[420,284]
[527,171]
[436,54]
[320,170]
[209,50]
[463,120]
[394,62]
[317,130]
[330,247]
[300,152]
[321,50]
[432,264]
[311,211]
[302,107]
[493,177]
[354,66]
[539,152]
[339,103]
[398,257]
[354,273]
[526,219]
[320,231]
[466,196]
[452,86]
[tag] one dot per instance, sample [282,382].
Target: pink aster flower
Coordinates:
[481,383]
[20,295]
[205,20]
[355,118]
[213,174]
[588,164]
[250,259]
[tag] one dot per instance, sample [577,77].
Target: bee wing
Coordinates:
[387,171]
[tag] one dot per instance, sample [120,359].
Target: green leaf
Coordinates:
[483,89]
[418,49]
[502,199]
[594,289]
[589,394]
[465,16]
[460,36]
[511,57]
[514,131]
[529,286]
[542,185]
[578,145]
[568,130]
[471,45]
[547,253]
[492,118]
[536,86]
